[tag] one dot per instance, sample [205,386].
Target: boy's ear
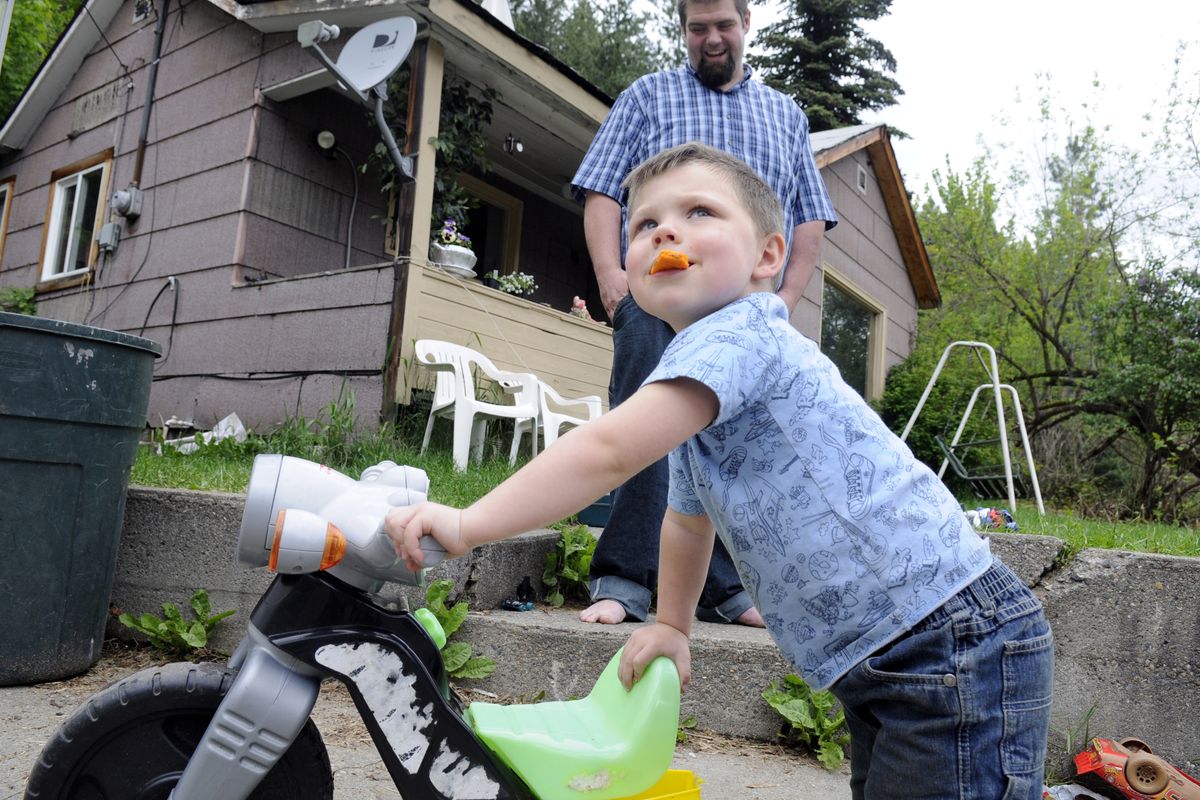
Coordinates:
[772,259]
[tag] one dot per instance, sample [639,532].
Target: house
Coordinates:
[165,179]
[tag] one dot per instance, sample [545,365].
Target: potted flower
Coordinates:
[450,247]
[518,283]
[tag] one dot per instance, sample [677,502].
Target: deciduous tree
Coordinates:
[1055,265]
[35,27]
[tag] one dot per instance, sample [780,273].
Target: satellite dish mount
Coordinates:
[369,58]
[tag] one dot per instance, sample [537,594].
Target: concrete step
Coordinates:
[177,541]
[549,651]
[1138,611]
[541,653]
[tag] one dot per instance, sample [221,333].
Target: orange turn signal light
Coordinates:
[335,546]
[273,562]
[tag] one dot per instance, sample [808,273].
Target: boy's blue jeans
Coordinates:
[625,564]
[959,707]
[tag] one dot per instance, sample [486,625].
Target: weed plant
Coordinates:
[171,633]
[812,719]
[567,567]
[455,655]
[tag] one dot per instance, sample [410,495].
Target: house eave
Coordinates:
[56,72]
[451,21]
[877,142]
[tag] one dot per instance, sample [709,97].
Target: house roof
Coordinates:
[468,25]
[834,145]
[465,25]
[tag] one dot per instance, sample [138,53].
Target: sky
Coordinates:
[963,63]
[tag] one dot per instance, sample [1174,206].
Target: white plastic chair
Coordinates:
[454,396]
[551,419]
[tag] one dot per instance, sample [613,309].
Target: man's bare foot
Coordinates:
[751,618]
[609,612]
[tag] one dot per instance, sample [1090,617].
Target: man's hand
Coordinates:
[789,297]
[806,253]
[406,525]
[602,230]
[647,644]
[613,288]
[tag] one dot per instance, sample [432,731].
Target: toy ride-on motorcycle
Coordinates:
[210,732]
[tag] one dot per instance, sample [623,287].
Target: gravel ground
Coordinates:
[731,769]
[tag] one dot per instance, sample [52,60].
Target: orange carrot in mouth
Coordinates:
[669,259]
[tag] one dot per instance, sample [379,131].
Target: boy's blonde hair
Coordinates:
[751,191]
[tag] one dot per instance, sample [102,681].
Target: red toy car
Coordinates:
[1127,770]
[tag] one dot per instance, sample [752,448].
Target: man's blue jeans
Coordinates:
[625,564]
[959,707]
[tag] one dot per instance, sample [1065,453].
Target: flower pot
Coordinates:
[451,255]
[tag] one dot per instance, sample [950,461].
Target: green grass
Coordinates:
[227,469]
[331,440]
[1078,533]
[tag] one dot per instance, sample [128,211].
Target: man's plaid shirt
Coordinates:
[759,125]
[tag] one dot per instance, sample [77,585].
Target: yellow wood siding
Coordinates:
[572,355]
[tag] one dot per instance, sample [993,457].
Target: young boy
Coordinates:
[867,574]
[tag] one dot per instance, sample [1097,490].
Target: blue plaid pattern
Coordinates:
[759,125]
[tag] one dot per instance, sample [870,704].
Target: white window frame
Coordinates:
[877,334]
[6,187]
[54,250]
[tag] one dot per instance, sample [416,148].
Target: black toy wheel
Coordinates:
[132,740]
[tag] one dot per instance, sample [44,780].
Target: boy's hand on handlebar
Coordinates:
[647,644]
[406,525]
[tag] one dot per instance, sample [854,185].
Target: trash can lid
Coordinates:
[75,329]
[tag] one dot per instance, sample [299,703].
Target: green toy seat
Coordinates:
[611,744]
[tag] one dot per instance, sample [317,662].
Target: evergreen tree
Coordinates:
[819,55]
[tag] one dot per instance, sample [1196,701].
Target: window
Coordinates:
[860,179]
[852,327]
[6,192]
[76,212]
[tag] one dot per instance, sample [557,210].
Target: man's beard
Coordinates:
[715,74]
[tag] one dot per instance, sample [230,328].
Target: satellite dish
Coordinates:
[376,51]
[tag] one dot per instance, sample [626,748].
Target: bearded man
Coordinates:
[714,100]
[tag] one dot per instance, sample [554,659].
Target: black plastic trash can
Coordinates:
[73,402]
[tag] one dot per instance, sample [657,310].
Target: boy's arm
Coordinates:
[685,548]
[581,466]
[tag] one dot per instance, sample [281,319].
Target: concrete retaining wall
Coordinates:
[1127,625]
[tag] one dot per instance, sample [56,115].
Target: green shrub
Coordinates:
[18,300]
[810,718]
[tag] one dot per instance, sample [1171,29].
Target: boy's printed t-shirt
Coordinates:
[842,537]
